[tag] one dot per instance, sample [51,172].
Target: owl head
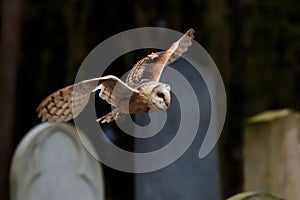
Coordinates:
[160,97]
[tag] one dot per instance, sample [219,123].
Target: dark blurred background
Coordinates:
[255,44]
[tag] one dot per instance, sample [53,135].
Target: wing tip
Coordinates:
[190,33]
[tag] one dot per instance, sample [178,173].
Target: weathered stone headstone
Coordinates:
[188,177]
[271,153]
[50,163]
[253,196]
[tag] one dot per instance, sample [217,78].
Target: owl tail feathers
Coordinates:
[113,115]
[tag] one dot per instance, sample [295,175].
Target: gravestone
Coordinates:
[271,153]
[51,164]
[254,196]
[188,177]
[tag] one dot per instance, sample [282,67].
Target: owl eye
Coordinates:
[160,95]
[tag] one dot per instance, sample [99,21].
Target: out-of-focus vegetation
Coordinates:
[255,44]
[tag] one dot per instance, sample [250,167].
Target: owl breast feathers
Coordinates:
[141,93]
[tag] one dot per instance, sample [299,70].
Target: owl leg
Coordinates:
[113,115]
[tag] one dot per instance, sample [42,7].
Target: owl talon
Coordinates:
[113,115]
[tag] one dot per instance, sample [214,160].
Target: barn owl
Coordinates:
[141,93]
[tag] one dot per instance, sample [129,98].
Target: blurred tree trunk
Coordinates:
[219,46]
[77,31]
[10,35]
[219,36]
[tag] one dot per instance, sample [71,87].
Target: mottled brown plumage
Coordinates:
[141,93]
[150,68]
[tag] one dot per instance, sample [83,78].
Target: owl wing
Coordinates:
[150,68]
[68,102]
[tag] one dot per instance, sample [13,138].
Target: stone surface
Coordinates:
[50,163]
[189,177]
[271,153]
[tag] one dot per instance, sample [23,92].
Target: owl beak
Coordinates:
[167,104]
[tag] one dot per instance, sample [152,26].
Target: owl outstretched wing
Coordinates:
[68,102]
[150,68]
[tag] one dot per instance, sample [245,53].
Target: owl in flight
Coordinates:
[142,92]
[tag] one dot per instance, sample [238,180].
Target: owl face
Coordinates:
[160,97]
